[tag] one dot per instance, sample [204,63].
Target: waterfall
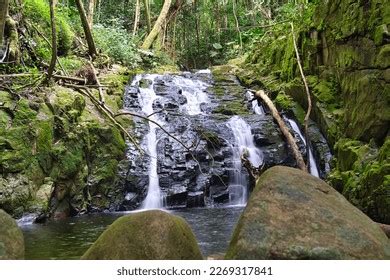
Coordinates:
[195,94]
[243,145]
[258,109]
[146,97]
[313,164]
[194,91]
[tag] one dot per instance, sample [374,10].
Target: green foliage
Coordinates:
[117,43]
[38,12]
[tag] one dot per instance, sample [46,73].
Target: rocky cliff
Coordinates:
[345,50]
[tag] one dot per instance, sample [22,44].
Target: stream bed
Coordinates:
[69,239]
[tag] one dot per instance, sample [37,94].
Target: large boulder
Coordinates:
[150,235]
[11,239]
[293,215]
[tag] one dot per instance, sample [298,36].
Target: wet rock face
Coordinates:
[197,176]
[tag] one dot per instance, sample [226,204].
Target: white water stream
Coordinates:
[244,145]
[194,91]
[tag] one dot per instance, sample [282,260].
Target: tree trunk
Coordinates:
[91,9]
[158,26]
[237,23]
[290,139]
[53,40]
[136,17]
[87,31]
[147,11]
[3,16]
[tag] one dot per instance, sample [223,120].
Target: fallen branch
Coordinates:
[254,172]
[309,105]
[19,75]
[85,86]
[290,139]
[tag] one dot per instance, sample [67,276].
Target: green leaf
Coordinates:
[217,46]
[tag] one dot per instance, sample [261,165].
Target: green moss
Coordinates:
[284,101]
[231,108]
[44,142]
[383,58]
[38,11]
[72,63]
[68,158]
[16,150]
[23,114]
[150,235]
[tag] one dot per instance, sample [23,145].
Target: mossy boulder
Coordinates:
[150,235]
[361,174]
[11,239]
[293,215]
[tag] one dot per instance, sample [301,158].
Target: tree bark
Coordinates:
[87,31]
[237,23]
[3,17]
[147,12]
[91,10]
[158,26]
[136,17]
[53,39]
[290,139]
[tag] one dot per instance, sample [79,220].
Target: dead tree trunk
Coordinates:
[3,17]
[290,139]
[158,26]
[53,39]
[87,31]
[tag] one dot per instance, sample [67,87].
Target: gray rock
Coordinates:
[11,238]
[293,215]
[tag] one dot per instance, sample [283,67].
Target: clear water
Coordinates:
[70,238]
[238,189]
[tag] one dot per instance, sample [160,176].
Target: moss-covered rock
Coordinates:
[344,47]
[361,174]
[11,239]
[329,226]
[151,235]
[58,152]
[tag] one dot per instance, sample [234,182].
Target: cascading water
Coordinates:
[146,98]
[313,164]
[255,104]
[194,92]
[243,145]
[195,95]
